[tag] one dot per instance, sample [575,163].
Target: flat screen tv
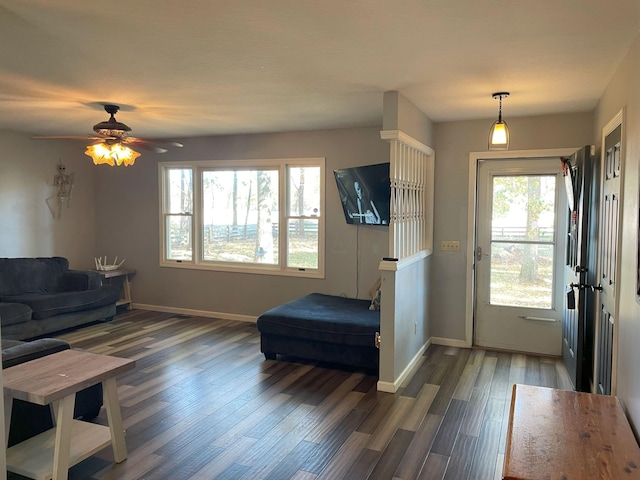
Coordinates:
[365,193]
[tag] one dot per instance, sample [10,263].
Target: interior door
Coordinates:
[520,255]
[609,243]
[580,266]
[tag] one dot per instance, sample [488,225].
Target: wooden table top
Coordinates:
[52,377]
[559,434]
[116,273]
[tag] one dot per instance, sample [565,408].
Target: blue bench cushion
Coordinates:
[324,318]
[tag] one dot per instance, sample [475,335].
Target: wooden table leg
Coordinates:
[112,404]
[64,420]
[8,405]
[126,287]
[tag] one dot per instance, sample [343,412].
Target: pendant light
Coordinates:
[499,133]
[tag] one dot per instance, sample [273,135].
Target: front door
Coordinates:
[520,255]
[580,266]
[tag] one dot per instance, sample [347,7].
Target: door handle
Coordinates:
[479,254]
[582,286]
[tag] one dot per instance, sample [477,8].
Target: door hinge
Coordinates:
[376,342]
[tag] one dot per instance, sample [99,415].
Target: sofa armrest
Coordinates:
[26,351]
[79,280]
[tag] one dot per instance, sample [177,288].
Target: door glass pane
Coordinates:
[523,241]
[522,275]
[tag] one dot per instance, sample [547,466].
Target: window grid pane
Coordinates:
[303,243]
[179,242]
[180,194]
[304,191]
[240,212]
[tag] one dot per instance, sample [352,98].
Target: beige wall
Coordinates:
[28,201]
[127,206]
[624,91]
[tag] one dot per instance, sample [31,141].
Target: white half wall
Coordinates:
[404,320]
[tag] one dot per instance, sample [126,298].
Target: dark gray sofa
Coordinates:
[29,419]
[39,296]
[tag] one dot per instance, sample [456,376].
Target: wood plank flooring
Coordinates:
[203,403]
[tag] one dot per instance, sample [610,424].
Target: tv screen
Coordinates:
[365,193]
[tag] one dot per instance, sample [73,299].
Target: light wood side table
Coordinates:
[55,379]
[121,278]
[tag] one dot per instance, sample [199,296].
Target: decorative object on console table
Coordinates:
[104,265]
[120,277]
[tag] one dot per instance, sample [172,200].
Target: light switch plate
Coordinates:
[450,246]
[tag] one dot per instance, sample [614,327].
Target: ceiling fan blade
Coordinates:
[151,144]
[151,148]
[67,137]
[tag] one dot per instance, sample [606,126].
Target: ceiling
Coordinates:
[206,67]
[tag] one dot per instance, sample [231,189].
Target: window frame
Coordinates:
[282,165]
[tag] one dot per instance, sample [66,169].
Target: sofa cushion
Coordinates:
[31,275]
[48,305]
[14,313]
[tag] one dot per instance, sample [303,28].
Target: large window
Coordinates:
[261,216]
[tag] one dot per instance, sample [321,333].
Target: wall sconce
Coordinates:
[114,154]
[499,133]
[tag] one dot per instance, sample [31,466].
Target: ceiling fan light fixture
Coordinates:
[499,133]
[111,127]
[114,154]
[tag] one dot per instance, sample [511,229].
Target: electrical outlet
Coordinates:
[449,246]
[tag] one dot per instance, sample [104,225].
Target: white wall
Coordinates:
[28,201]
[624,91]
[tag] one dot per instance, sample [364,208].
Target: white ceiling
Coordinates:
[201,67]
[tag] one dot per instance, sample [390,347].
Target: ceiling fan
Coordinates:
[112,141]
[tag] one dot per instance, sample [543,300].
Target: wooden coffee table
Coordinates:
[55,379]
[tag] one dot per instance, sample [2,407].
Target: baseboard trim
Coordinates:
[449,342]
[393,387]
[195,313]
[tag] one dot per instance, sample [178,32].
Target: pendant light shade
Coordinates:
[499,133]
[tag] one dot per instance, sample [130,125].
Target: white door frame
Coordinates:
[474,158]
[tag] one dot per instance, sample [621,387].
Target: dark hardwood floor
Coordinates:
[203,403]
